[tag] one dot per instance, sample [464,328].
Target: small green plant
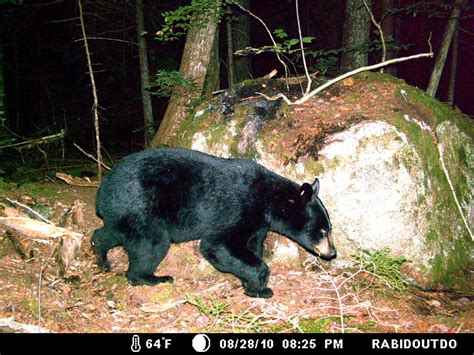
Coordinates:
[224,318]
[215,309]
[320,325]
[384,266]
[285,46]
[326,66]
[168,81]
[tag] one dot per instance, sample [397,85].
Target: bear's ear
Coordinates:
[306,191]
[315,186]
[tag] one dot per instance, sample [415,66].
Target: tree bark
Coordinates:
[454,67]
[230,53]
[390,28]
[443,51]
[241,40]
[356,34]
[194,64]
[212,80]
[3,102]
[149,123]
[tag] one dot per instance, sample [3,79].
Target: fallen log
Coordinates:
[69,242]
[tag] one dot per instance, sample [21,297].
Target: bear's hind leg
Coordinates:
[102,241]
[144,256]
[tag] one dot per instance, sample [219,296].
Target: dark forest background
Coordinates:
[45,71]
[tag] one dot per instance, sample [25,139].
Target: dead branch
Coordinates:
[379,28]
[347,302]
[36,230]
[69,241]
[441,159]
[95,106]
[28,210]
[308,77]
[35,142]
[39,295]
[92,157]
[75,181]
[268,32]
[107,39]
[342,77]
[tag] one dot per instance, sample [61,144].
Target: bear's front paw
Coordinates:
[148,279]
[264,293]
[166,279]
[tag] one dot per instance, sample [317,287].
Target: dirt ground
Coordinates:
[308,298]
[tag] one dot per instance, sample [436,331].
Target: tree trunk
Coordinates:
[443,51]
[212,80]
[241,40]
[3,102]
[390,27]
[149,123]
[230,53]
[454,67]
[194,64]
[355,35]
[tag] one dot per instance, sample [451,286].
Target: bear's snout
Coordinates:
[325,248]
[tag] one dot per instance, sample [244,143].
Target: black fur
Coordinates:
[157,197]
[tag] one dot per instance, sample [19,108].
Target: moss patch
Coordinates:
[119,280]
[443,211]
[48,191]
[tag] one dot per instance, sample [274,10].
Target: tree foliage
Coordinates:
[177,22]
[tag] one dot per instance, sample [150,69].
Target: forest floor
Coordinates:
[306,298]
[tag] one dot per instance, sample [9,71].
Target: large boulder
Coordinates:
[396,167]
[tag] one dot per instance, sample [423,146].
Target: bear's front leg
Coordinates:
[255,289]
[240,261]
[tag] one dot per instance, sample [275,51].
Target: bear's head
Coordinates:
[306,221]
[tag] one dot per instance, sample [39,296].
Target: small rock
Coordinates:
[463,301]
[434,303]
[111,304]
[202,320]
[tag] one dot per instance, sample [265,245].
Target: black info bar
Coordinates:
[147,343]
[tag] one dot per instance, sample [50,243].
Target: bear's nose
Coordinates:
[326,247]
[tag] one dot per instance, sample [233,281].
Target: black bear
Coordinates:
[157,197]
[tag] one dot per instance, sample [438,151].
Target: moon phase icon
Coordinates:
[201,343]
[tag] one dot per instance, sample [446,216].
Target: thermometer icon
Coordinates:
[136,344]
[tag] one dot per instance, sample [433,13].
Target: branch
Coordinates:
[308,87]
[343,76]
[379,28]
[107,39]
[92,157]
[441,159]
[29,210]
[94,93]
[269,34]
[32,142]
